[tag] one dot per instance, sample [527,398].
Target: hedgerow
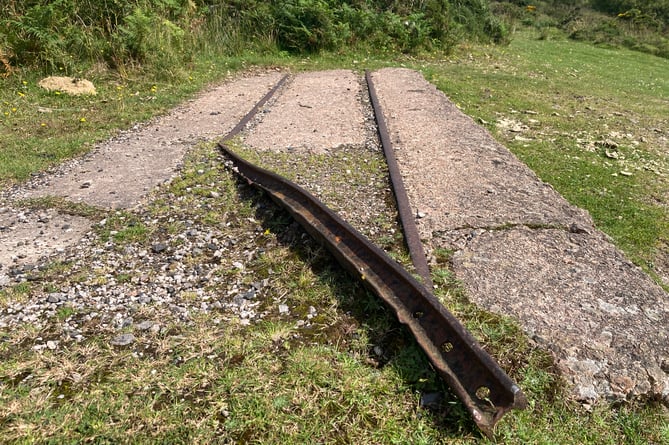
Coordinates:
[59,35]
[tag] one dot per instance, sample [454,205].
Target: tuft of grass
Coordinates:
[14,294]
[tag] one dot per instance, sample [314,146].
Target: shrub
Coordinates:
[62,34]
[307,26]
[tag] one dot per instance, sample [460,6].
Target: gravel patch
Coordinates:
[187,264]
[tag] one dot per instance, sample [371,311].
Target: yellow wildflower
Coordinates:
[83,119]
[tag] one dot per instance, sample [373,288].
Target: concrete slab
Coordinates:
[456,174]
[602,316]
[28,235]
[119,172]
[522,250]
[315,112]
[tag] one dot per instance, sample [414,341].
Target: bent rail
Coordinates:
[472,374]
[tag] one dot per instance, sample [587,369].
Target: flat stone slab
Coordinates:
[121,171]
[522,250]
[456,174]
[603,317]
[28,235]
[315,112]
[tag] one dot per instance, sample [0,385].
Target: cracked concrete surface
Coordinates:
[522,250]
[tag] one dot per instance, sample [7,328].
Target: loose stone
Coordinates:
[123,340]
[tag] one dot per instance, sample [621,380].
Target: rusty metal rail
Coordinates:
[479,382]
[410,230]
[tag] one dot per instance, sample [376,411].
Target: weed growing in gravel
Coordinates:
[122,227]
[14,294]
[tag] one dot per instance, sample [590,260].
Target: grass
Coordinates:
[338,368]
[351,373]
[39,128]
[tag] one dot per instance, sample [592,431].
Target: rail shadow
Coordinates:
[389,343]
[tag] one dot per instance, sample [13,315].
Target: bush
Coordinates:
[308,26]
[475,19]
[59,35]
[66,34]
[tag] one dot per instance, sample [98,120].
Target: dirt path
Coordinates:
[518,247]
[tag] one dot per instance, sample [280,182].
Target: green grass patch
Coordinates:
[39,129]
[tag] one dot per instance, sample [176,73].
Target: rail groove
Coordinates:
[410,230]
[473,375]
